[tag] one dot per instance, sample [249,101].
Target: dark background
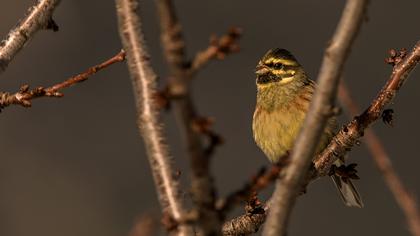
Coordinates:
[76,166]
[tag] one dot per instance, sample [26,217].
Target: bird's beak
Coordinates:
[261,69]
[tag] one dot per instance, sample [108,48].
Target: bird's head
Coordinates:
[278,67]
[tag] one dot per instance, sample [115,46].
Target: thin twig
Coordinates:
[349,134]
[39,17]
[24,96]
[203,190]
[144,85]
[404,198]
[320,110]
[218,48]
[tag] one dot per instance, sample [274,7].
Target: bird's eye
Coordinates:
[278,66]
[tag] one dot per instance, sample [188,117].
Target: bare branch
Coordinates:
[24,96]
[244,224]
[39,17]
[218,48]
[349,134]
[404,198]
[203,190]
[320,109]
[258,182]
[144,85]
[400,73]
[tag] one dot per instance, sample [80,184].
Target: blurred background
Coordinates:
[77,166]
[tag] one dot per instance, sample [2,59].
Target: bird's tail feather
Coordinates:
[347,191]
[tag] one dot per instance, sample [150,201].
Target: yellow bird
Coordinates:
[284,93]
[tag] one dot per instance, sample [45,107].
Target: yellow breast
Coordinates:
[275,131]
[276,127]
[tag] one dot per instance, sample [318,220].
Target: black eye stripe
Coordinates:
[278,65]
[274,65]
[281,66]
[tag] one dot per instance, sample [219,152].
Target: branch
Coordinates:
[24,96]
[244,224]
[258,182]
[203,190]
[349,134]
[39,17]
[402,69]
[320,110]
[144,85]
[218,48]
[403,197]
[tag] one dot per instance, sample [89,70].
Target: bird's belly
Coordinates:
[276,131]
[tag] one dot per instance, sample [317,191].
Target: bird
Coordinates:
[284,93]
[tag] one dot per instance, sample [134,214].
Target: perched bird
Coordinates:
[284,93]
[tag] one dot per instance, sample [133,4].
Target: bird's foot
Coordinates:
[345,171]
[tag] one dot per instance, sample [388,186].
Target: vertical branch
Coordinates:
[320,110]
[403,197]
[38,17]
[203,190]
[144,85]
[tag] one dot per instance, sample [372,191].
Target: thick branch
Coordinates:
[244,224]
[144,85]
[38,17]
[24,96]
[404,198]
[320,110]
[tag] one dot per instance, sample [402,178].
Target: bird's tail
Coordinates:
[347,191]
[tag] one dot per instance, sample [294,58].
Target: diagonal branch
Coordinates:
[403,197]
[24,96]
[320,110]
[39,17]
[218,48]
[349,134]
[347,137]
[144,85]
